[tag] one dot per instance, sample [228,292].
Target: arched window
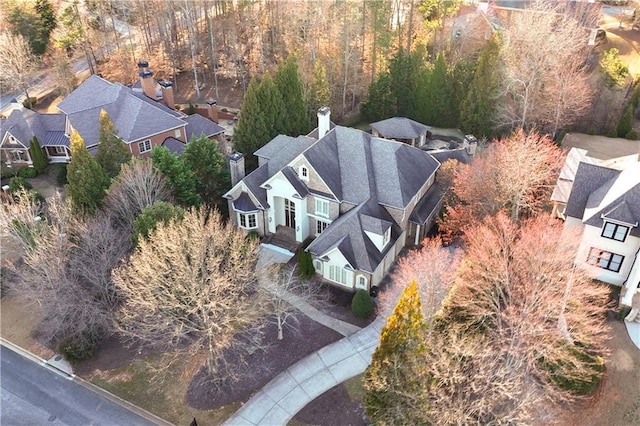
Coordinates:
[361,282]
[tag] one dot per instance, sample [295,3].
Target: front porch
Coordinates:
[284,237]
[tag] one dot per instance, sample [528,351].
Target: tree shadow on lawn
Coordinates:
[206,393]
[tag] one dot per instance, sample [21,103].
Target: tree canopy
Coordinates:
[112,151]
[87,181]
[178,177]
[202,156]
[287,80]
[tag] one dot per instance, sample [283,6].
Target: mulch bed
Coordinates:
[262,366]
[334,407]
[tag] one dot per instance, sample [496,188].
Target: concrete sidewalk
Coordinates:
[280,399]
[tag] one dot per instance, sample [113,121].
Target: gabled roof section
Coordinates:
[24,124]
[618,199]
[374,224]
[198,125]
[297,184]
[135,115]
[589,178]
[399,128]
[428,204]
[55,138]
[575,156]
[347,234]
[284,147]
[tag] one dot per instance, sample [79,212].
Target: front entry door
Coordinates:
[289,214]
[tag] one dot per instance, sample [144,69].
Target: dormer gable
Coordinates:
[378,230]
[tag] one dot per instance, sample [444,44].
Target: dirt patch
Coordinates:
[17,322]
[262,366]
[229,93]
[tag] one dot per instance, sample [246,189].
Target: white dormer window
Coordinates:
[361,282]
[322,207]
[614,231]
[303,173]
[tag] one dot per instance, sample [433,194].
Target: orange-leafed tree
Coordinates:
[538,324]
[514,175]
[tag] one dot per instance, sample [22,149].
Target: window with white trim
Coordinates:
[605,260]
[322,207]
[247,220]
[317,264]
[144,146]
[361,281]
[59,149]
[177,133]
[321,226]
[303,173]
[614,231]
[338,274]
[19,156]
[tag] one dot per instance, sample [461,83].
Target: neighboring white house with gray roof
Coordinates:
[605,203]
[359,195]
[142,122]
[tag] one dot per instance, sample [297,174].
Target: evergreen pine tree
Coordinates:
[179,178]
[112,152]
[394,380]
[625,124]
[380,103]
[319,94]
[38,158]
[87,181]
[476,111]
[404,70]
[212,179]
[272,107]
[251,133]
[439,96]
[289,84]
[46,20]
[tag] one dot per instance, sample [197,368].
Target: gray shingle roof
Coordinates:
[297,184]
[134,115]
[244,204]
[459,155]
[589,177]
[174,146]
[198,125]
[575,156]
[24,124]
[399,128]
[428,205]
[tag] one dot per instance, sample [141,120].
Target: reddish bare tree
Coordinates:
[536,324]
[514,175]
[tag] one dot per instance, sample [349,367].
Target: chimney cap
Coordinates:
[211,102]
[236,156]
[145,74]
[165,83]
[143,64]
[324,111]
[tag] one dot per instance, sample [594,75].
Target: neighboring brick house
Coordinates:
[363,198]
[141,118]
[605,203]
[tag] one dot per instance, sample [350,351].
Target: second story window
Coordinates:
[386,237]
[615,231]
[322,207]
[144,146]
[605,260]
[303,173]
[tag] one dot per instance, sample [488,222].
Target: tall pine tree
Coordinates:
[289,84]
[439,96]
[203,158]
[252,132]
[380,103]
[178,176]
[394,380]
[476,111]
[112,151]
[318,93]
[38,158]
[87,181]
[272,107]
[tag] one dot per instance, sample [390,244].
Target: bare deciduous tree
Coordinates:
[17,62]
[191,288]
[538,42]
[137,186]
[20,217]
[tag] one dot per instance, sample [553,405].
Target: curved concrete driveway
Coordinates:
[280,399]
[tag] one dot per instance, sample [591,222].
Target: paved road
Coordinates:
[34,395]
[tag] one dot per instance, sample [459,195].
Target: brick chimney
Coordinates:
[167,93]
[324,121]
[146,79]
[212,110]
[236,167]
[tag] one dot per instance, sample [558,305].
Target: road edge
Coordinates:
[88,385]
